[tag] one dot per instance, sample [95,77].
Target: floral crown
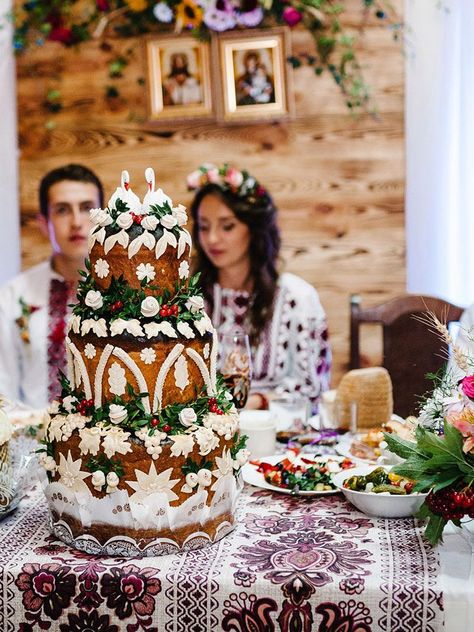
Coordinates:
[227,178]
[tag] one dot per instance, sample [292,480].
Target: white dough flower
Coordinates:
[195,304]
[71,475]
[148,355]
[116,440]
[187,417]
[101,268]
[98,480]
[206,439]
[112,482]
[151,483]
[47,462]
[89,351]
[145,271]
[180,213]
[183,270]
[168,221]
[90,440]
[241,458]
[150,307]
[183,444]
[68,403]
[117,413]
[94,299]
[150,222]
[100,217]
[125,220]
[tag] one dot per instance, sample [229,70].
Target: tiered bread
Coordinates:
[142,450]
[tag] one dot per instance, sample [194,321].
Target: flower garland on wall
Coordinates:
[74,21]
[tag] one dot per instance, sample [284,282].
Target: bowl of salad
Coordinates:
[376,491]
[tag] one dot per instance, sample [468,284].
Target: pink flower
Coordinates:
[468,445]
[467,385]
[234,177]
[213,176]
[194,180]
[291,16]
[465,427]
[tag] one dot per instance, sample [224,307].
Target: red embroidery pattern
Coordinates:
[59,292]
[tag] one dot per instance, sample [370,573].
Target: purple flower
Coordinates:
[250,18]
[220,17]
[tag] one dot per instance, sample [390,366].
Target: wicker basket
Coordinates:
[371,389]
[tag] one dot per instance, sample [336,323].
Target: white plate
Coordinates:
[252,476]
[343,448]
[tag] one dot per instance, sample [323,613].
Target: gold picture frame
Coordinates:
[253,75]
[179,79]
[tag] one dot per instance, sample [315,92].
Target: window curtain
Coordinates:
[440,148]
[9,211]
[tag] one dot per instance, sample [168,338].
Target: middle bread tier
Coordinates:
[169,371]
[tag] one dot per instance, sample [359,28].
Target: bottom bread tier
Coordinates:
[152,511]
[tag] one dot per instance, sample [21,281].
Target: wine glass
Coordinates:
[235,364]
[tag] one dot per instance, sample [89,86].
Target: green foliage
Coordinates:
[239,443]
[434,462]
[194,466]
[323,19]
[104,464]
[131,299]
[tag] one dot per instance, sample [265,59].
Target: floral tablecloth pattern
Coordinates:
[292,564]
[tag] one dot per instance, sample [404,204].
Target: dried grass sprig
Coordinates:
[438,327]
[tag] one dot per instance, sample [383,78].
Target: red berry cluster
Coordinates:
[213,407]
[137,219]
[116,306]
[84,405]
[155,421]
[452,504]
[169,310]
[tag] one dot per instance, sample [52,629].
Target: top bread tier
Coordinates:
[144,242]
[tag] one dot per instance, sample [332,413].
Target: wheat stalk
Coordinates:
[440,328]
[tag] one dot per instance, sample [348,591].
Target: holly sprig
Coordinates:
[238,443]
[122,301]
[104,464]
[194,466]
[166,420]
[435,462]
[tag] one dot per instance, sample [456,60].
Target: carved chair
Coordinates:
[410,348]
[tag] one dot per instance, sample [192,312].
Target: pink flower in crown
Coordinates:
[233,177]
[213,175]
[194,179]
[467,385]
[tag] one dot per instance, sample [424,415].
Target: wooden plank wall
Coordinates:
[338,181]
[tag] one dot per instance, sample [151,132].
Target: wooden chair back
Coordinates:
[410,348]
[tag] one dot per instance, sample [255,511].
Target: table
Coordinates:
[292,563]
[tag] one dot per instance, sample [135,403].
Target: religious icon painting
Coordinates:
[179,78]
[253,75]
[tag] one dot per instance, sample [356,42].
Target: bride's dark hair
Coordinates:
[258,211]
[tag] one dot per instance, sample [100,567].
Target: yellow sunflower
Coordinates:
[188,14]
[137,5]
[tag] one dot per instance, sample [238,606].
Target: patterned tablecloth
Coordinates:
[292,564]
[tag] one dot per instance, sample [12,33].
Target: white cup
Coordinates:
[260,429]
